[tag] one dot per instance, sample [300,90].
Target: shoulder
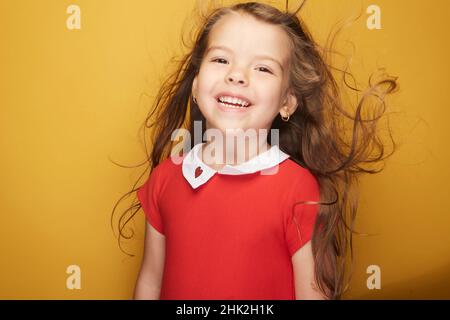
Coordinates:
[303,181]
[299,174]
[161,174]
[167,167]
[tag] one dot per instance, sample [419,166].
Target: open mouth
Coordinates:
[233,103]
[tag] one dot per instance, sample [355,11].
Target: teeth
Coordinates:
[231,106]
[233,101]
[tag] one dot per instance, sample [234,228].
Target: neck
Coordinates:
[217,155]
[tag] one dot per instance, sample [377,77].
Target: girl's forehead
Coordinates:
[243,32]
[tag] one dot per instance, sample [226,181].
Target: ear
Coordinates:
[194,87]
[289,104]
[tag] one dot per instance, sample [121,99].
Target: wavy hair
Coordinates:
[323,135]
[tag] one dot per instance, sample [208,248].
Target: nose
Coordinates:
[236,78]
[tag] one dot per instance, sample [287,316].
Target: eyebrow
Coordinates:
[260,56]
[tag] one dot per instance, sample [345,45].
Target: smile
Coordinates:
[233,101]
[227,106]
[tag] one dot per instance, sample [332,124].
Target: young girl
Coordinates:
[275,221]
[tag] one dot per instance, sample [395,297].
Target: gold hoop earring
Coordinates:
[286,119]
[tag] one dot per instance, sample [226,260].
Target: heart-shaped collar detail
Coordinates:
[198,171]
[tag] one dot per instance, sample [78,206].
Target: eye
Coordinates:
[218,60]
[263,68]
[267,70]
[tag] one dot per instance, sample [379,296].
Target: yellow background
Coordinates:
[70,101]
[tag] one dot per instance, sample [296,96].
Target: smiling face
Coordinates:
[244,58]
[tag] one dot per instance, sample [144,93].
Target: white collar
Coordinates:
[265,160]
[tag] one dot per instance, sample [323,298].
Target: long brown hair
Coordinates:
[315,136]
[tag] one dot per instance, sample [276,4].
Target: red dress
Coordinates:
[232,236]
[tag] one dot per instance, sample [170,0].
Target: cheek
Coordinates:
[206,82]
[209,70]
[270,93]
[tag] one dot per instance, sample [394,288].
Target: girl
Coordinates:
[277,222]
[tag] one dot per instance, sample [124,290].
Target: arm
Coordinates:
[303,266]
[148,284]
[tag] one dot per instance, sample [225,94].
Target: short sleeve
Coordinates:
[300,217]
[148,197]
